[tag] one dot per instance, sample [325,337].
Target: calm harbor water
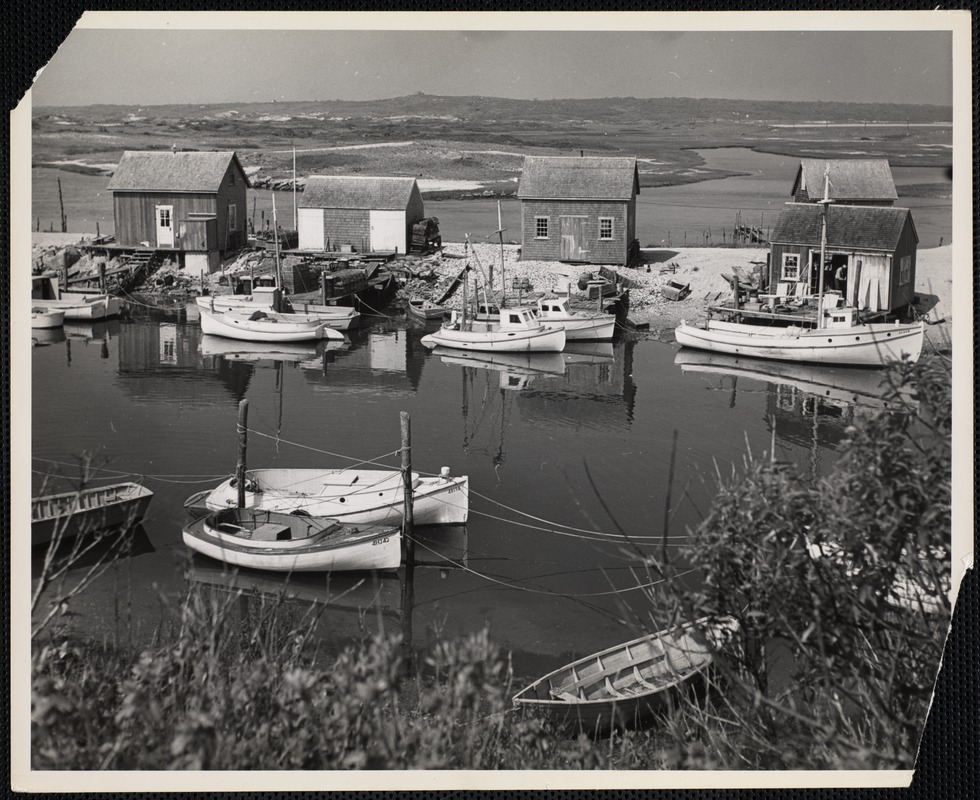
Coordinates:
[564,452]
[676,214]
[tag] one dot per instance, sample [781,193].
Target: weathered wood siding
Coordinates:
[902,295]
[612,251]
[414,211]
[135,214]
[346,226]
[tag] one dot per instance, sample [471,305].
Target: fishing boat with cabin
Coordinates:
[292,543]
[626,684]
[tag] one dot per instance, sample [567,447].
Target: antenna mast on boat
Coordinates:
[275,230]
[823,243]
[503,283]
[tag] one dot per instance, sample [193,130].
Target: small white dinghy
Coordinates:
[46,292]
[266,299]
[352,496]
[517,331]
[292,543]
[47,318]
[262,326]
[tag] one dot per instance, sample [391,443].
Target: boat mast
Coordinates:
[503,283]
[823,243]
[275,229]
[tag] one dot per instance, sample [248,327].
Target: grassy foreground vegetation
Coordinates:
[833,667]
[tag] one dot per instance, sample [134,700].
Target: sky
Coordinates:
[153,67]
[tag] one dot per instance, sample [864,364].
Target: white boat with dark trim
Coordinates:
[264,326]
[555,312]
[353,496]
[292,543]
[517,331]
[840,341]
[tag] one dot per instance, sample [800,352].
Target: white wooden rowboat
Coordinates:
[262,326]
[46,292]
[423,309]
[292,543]
[625,684]
[352,496]
[86,511]
[264,299]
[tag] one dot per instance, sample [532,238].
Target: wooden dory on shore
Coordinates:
[626,684]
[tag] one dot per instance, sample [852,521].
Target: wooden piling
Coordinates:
[242,447]
[323,288]
[102,283]
[408,525]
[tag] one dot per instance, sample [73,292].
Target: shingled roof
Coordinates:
[570,178]
[858,227]
[339,191]
[166,171]
[850,179]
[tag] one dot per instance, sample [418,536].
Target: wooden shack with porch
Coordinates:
[191,203]
[870,254]
[362,214]
[579,209]
[853,181]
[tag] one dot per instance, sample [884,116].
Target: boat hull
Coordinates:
[425,310]
[85,307]
[541,340]
[47,318]
[238,326]
[584,329]
[74,513]
[625,685]
[354,497]
[339,318]
[872,345]
[346,549]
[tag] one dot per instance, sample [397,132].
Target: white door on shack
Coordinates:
[388,230]
[310,222]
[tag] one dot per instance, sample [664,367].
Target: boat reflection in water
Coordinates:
[296,353]
[516,370]
[350,605]
[807,405]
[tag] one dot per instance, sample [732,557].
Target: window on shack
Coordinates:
[905,270]
[791,267]
[605,227]
[540,227]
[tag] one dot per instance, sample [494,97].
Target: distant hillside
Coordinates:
[483,110]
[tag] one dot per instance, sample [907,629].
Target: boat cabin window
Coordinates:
[515,319]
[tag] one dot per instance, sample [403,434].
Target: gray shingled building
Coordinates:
[870,253]
[853,181]
[578,209]
[362,213]
[192,203]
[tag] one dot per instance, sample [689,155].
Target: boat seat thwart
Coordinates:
[260,533]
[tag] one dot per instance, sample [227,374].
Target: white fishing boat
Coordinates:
[352,496]
[46,293]
[834,336]
[556,312]
[517,331]
[292,543]
[270,298]
[839,341]
[264,326]
[42,317]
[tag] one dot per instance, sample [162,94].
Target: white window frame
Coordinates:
[905,270]
[232,217]
[537,227]
[612,229]
[787,257]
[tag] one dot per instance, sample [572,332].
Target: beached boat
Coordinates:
[46,293]
[88,510]
[46,318]
[517,331]
[352,496]
[423,309]
[840,341]
[262,326]
[292,543]
[625,684]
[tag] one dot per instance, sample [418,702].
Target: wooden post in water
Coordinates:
[242,447]
[408,526]
[102,283]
